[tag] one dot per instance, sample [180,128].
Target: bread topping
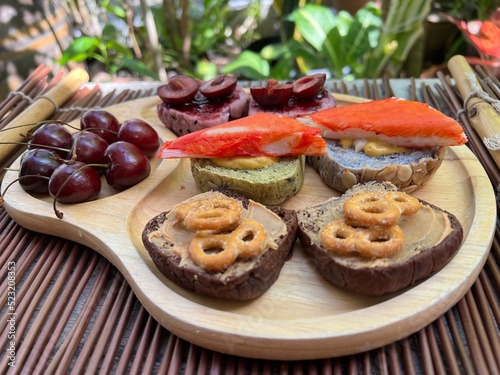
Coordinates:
[257,226]
[255,162]
[422,230]
[372,147]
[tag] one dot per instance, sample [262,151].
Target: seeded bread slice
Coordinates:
[342,168]
[418,259]
[270,185]
[233,284]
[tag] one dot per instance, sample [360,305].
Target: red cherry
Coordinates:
[219,87]
[74,183]
[273,94]
[308,87]
[179,90]
[52,136]
[35,170]
[127,165]
[88,147]
[141,134]
[102,123]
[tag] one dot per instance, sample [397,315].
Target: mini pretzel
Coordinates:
[380,208]
[213,252]
[407,204]
[249,238]
[209,214]
[371,242]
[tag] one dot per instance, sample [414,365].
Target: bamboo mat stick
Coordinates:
[482,115]
[12,99]
[41,109]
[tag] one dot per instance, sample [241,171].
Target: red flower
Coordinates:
[484,35]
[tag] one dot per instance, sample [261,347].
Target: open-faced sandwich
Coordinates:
[221,244]
[297,98]
[393,139]
[376,239]
[189,105]
[260,156]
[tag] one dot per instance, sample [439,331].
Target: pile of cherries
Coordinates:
[275,94]
[69,165]
[182,89]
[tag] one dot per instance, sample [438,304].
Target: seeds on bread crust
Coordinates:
[343,168]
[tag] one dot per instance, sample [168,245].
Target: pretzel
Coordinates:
[370,242]
[209,214]
[250,238]
[215,252]
[212,252]
[380,208]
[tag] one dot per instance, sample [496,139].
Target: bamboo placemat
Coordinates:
[74,313]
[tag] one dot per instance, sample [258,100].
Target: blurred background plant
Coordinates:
[190,37]
[283,39]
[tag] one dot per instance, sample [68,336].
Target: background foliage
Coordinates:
[207,38]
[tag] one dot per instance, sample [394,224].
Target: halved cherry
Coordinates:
[273,94]
[179,90]
[219,87]
[308,87]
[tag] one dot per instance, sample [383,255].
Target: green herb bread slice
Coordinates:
[432,236]
[342,168]
[270,185]
[173,245]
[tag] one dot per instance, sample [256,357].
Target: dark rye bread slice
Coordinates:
[342,168]
[374,277]
[201,113]
[241,286]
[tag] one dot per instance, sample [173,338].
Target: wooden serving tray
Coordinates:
[302,316]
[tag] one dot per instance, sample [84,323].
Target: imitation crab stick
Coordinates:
[263,134]
[397,121]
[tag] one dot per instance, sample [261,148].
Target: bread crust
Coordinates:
[247,285]
[381,280]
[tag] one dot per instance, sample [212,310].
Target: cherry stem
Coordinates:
[17,180]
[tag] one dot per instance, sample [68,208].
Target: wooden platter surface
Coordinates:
[302,316]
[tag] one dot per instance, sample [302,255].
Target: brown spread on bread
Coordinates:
[243,234]
[422,229]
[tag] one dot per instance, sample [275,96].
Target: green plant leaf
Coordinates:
[250,64]
[314,22]
[206,70]
[80,49]
[119,49]
[110,33]
[138,67]
[274,51]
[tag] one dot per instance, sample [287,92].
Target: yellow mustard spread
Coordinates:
[255,162]
[374,147]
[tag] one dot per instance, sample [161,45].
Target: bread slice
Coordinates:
[432,237]
[270,185]
[244,279]
[202,114]
[342,168]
